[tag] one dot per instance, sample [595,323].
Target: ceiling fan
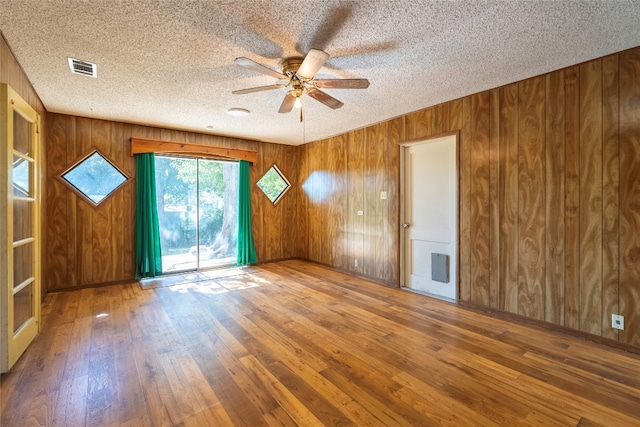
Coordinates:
[298,73]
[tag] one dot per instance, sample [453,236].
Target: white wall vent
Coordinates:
[83,67]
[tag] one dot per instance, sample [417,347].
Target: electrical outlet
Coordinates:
[383,195]
[360,213]
[617,321]
[355,262]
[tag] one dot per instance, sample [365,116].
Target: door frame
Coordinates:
[403,147]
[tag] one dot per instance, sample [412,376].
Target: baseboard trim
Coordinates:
[518,318]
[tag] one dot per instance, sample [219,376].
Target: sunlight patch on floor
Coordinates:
[192,279]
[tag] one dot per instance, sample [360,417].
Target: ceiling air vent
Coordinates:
[83,67]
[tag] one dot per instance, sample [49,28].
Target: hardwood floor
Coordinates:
[294,343]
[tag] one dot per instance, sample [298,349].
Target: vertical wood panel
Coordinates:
[101,137]
[382,178]
[290,223]
[260,236]
[72,210]
[314,187]
[117,206]
[101,259]
[56,213]
[591,197]
[419,124]
[531,198]
[395,129]
[339,201]
[480,199]
[509,198]
[437,121]
[494,199]
[454,121]
[610,191]
[302,247]
[368,205]
[355,163]
[554,201]
[572,199]
[328,231]
[373,206]
[128,197]
[464,268]
[630,195]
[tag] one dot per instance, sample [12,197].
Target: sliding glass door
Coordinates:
[197,212]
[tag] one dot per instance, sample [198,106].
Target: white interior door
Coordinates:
[430,217]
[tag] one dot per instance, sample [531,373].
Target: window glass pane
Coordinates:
[176,197]
[22,263]
[273,184]
[22,219]
[218,197]
[21,174]
[22,306]
[95,177]
[21,134]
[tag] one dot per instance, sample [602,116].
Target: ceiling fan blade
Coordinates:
[325,98]
[342,83]
[252,65]
[287,103]
[314,60]
[257,89]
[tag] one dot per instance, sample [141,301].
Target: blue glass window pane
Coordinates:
[95,177]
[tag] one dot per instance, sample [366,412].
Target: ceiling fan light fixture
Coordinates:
[238,112]
[299,73]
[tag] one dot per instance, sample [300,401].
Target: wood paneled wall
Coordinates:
[89,246]
[12,74]
[341,176]
[549,196]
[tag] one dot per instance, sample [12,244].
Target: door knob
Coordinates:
[406,225]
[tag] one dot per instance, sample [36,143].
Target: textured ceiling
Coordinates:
[170,63]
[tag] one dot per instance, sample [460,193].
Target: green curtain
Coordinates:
[246,250]
[148,253]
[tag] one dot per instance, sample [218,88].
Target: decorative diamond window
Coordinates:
[94,177]
[273,184]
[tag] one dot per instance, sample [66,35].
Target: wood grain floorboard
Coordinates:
[298,344]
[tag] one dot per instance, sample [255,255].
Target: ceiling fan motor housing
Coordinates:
[291,65]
